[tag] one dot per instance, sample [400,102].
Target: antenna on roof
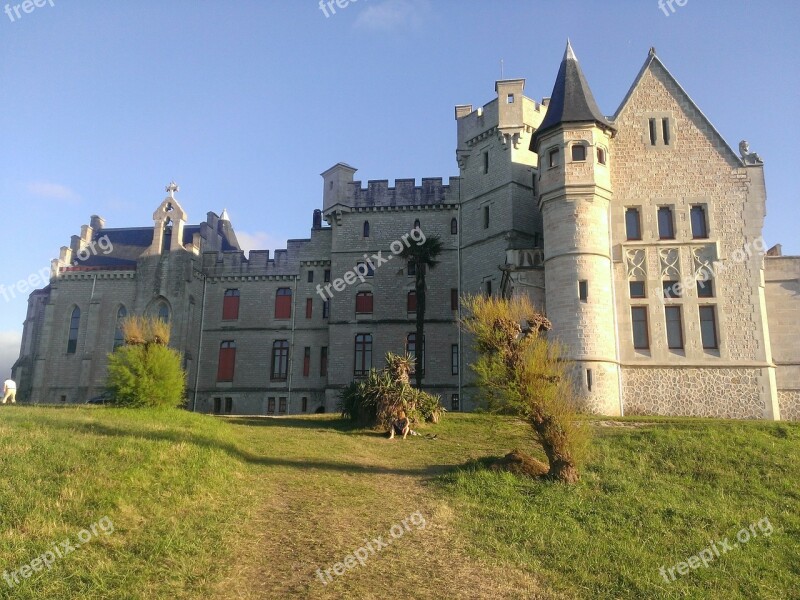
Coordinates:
[501,69]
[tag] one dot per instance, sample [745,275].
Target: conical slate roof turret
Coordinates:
[571,101]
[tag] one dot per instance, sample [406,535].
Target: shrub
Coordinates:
[146,376]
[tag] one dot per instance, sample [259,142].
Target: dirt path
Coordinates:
[319,506]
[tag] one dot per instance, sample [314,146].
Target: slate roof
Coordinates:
[571,101]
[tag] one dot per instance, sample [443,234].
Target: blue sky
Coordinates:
[245,103]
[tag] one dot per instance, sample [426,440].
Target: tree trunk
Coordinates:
[562,465]
[419,347]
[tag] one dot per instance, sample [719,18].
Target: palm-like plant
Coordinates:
[424,256]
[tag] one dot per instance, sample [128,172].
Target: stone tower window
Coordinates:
[666,224]
[578,153]
[583,290]
[119,339]
[74,327]
[453,226]
[601,156]
[552,158]
[416,224]
[283,303]
[510,99]
[653,138]
[485,162]
[230,305]
[637,289]
[411,302]
[366,229]
[665,131]
[486,217]
[589,378]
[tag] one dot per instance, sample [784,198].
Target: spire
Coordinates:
[224,216]
[571,101]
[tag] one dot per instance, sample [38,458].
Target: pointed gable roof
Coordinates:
[571,101]
[654,63]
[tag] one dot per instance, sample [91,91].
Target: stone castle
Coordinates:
[638,234]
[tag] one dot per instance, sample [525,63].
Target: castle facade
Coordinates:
[638,234]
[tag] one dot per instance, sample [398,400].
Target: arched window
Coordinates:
[364,303]
[411,348]
[280,360]
[363,362]
[119,338]
[578,153]
[163,312]
[416,224]
[230,305]
[74,326]
[453,226]
[411,302]
[366,229]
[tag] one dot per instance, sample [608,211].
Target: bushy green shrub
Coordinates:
[147,375]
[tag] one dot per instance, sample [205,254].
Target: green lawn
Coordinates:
[251,508]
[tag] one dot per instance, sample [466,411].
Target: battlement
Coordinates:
[258,263]
[404,193]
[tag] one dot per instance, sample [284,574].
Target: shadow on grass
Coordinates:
[247,456]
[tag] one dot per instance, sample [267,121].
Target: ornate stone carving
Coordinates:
[703,258]
[636,263]
[670,263]
[749,158]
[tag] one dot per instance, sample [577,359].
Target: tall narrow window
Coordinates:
[633,224]
[217,406]
[283,303]
[589,379]
[486,217]
[665,131]
[304,404]
[366,229]
[363,355]
[326,276]
[364,303]
[411,302]
[282,406]
[412,267]
[309,307]
[641,334]
[454,359]
[271,405]
[708,327]
[119,338]
[453,298]
[485,162]
[601,156]
[552,158]
[454,403]
[230,305]
[699,225]
[306,361]
[488,287]
[666,225]
[227,360]
[583,291]
[416,224]
[411,348]
[652,124]
[228,405]
[74,327]
[310,277]
[674,327]
[326,309]
[453,226]
[578,153]
[323,361]
[280,359]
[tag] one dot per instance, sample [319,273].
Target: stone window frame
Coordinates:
[659,117]
[577,144]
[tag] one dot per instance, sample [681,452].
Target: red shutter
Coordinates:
[307,362]
[283,304]
[230,308]
[411,302]
[309,307]
[227,361]
[364,303]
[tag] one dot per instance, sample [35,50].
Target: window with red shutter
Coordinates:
[453,299]
[309,307]
[411,302]
[306,361]
[283,303]
[227,360]
[364,303]
[230,305]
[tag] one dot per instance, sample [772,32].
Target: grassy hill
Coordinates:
[176,505]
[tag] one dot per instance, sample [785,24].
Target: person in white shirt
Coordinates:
[9,391]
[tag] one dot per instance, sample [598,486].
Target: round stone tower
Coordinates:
[574,195]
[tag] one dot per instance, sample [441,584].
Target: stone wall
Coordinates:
[789,401]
